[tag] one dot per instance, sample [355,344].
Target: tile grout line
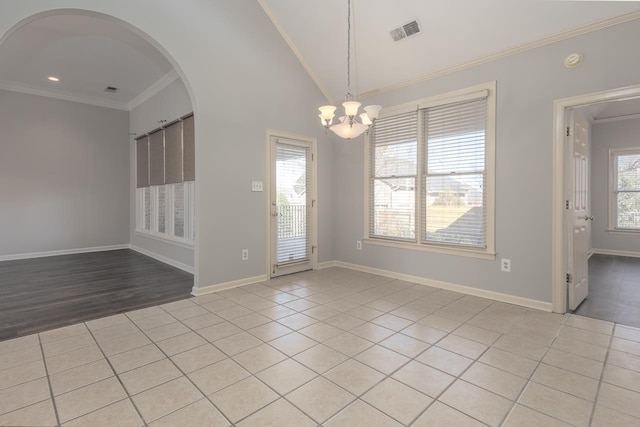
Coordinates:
[46,371]
[458,377]
[205,396]
[119,381]
[389,376]
[326,304]
[604,366]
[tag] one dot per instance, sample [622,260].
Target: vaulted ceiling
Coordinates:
[89,54]
[454,33]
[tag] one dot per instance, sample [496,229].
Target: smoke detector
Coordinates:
[573,60]
[405,31]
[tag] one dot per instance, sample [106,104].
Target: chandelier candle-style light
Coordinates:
[349,126]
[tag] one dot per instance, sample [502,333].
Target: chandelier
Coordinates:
[349,126]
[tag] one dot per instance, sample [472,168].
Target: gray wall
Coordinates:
[243,79]
[169,104]
[606,136]
[64,175]
[528,83]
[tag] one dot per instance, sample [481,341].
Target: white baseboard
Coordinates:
[496,296]
[161,258]
[202,290]
[630,254]
[62,252]
[327,264]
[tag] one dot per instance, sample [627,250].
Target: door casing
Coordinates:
[559,247]
[267,191]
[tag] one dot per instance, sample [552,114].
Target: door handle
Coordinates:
[274,213]
[588,218]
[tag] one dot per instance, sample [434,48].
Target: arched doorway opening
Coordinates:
[76,90]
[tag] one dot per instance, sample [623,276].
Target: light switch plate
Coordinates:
[256,186]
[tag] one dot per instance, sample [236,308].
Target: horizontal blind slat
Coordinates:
[454,186]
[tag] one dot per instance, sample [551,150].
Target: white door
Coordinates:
[578,209]
[292,206]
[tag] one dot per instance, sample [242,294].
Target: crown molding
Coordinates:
[156,87]
[66,96]
[160,84]
[295,50]
[584,29]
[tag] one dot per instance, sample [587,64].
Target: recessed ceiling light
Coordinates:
[53,78]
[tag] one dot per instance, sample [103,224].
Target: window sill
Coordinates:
[491,256]
[622,231]
[164,238]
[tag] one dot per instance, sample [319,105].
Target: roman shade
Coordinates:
[166,155]
[156,158]
[142,162]
[173,153]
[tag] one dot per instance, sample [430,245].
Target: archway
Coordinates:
[55,111]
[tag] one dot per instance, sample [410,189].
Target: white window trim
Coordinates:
[612,205]
[167,236]
[487,253]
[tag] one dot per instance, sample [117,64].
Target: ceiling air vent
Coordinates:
[111,89]
[407,30]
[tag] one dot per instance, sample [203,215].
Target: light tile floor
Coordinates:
[333,347]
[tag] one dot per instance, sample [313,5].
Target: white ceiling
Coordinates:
[455,32]
[88,54]
[614,110]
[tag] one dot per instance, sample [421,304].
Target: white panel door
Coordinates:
[291,205]
[579,217]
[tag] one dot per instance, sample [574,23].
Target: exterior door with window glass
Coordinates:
[291,206]
[578,210]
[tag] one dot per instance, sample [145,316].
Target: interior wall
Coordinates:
[169,104]
[64,175]
[607,136]
[527,85]
[243,79]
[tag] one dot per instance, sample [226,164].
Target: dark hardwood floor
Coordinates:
[46,293]
[614,290]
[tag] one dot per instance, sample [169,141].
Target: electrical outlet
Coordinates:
[245,254]
[505,265]
[358,244]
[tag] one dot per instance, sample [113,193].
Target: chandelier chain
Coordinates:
[349,48]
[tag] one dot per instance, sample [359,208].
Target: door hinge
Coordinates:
[312,158]
[569,278]
[313,249]
[313,203]
[568,131]
[274,268]
[567,204]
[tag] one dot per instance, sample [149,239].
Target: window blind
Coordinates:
[392,182]
[173,153]
[156,158]
[454,180]
[142,162]
[189,153]
[293,172]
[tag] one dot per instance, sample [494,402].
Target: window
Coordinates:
[165,193]
[431,174]
[624,199]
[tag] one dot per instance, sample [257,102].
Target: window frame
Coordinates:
[420,244]
[168,236]
[612,207]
